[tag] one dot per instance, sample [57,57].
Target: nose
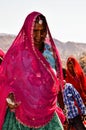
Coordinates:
[39,34]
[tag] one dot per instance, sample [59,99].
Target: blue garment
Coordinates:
[49,56]
[70,95]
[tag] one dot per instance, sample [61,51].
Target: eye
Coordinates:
[35,30]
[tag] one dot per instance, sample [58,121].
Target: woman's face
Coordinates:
[39,34]
[70,67]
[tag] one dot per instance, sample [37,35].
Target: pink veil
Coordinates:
[27,74]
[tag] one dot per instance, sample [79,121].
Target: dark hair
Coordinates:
[1,59]
[41,17]
[64,73]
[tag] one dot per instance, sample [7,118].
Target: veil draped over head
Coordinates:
[80,85]
[26,73]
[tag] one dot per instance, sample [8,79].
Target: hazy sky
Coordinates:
[66,18]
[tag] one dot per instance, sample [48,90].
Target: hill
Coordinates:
[65,49]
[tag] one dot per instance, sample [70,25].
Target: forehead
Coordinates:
[70,62]
[38,26]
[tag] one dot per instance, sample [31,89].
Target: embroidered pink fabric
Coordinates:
[27,74]
[61,115]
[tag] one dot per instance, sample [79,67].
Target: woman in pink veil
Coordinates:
[30,79]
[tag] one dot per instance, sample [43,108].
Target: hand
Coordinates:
[12,104]
[64,111]
[83,117]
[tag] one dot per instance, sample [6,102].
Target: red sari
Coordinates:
[79,80]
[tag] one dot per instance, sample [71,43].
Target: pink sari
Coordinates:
[27,74]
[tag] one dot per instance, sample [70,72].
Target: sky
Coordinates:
[66,18]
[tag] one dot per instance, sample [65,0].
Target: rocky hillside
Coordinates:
[77,50]
[5,41]
[70,48]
